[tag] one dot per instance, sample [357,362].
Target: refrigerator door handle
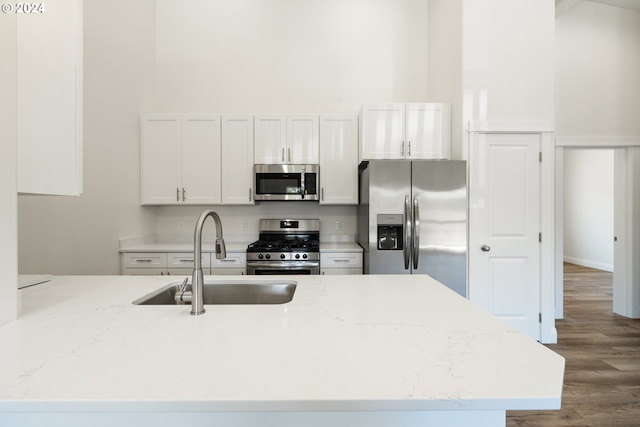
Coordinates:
[407,232]
[416,232]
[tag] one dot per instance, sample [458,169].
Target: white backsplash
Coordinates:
[240,223]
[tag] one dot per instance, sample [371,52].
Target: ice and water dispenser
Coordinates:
[390,232]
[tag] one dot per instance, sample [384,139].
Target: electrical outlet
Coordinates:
[338,225]
[180,225]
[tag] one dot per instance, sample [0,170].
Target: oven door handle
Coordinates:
[280,265]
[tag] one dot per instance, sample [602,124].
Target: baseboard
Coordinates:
[589,263]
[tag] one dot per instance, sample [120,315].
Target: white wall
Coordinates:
[508,65]
[597,99]
[445,64]
[588,208]
[8,170]
[244,56]
[597,69]
[283,56]
[79,235]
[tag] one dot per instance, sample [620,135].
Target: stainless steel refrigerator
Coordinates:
[412,219]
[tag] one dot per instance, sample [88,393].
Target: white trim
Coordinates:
[530,126]
[589,263]
[604,141]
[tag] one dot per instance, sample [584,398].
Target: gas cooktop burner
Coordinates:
[284,245]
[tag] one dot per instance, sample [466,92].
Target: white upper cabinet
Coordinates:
[303,140]
[270,139]
[286,139]
[339,159]
[201,159]
[382,131]
[405,131]
[180,159]
[428,131]
[49,93]
[237,167]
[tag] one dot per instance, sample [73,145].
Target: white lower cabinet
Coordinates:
[234,263]
[161,264]
[341,263]
[180,263]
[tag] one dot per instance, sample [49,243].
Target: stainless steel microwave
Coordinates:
[286,182]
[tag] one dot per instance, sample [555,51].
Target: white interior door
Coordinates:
[504,221]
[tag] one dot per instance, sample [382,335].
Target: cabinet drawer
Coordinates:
[341,271]
[185,260]
[341,260]
[143,271]
[144,260]
[233,260]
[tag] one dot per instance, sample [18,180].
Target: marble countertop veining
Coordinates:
[345,343]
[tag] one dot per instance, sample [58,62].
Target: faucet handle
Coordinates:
[180,296]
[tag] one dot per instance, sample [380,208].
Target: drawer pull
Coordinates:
[341,260]
[228,260]
[186,260]
[144,260]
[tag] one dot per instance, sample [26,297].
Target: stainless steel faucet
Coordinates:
[197,281]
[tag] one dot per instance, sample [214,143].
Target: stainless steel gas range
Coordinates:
[285,246]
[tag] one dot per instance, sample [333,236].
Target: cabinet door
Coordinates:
[303,145]
[339,159]
[201,183]
[49,94]
[237,167]
[161,159]
[428,131]
[382,131]
[270,139]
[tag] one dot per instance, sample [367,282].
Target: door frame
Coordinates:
[626,205]
[548,223]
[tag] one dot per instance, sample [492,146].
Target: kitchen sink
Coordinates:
[227,292]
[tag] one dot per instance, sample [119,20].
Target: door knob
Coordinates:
[485,248]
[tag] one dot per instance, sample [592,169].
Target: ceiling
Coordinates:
[625,4]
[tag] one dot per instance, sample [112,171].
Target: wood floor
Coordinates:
[602,352]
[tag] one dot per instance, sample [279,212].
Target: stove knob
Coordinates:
[267,256]
[304,256]
[260,256]
[297,256]
[282,256]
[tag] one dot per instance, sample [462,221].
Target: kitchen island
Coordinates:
[346,351]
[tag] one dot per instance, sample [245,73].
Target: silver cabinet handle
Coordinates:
[289,153]
[177,194]
[283,154]
[322,194]
[250,193]
[409,149]
[143,260]
[416,231]
[402,149]
[183,194]
[407,231]
[485,248]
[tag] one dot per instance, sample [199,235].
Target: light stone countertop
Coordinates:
[345,343]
